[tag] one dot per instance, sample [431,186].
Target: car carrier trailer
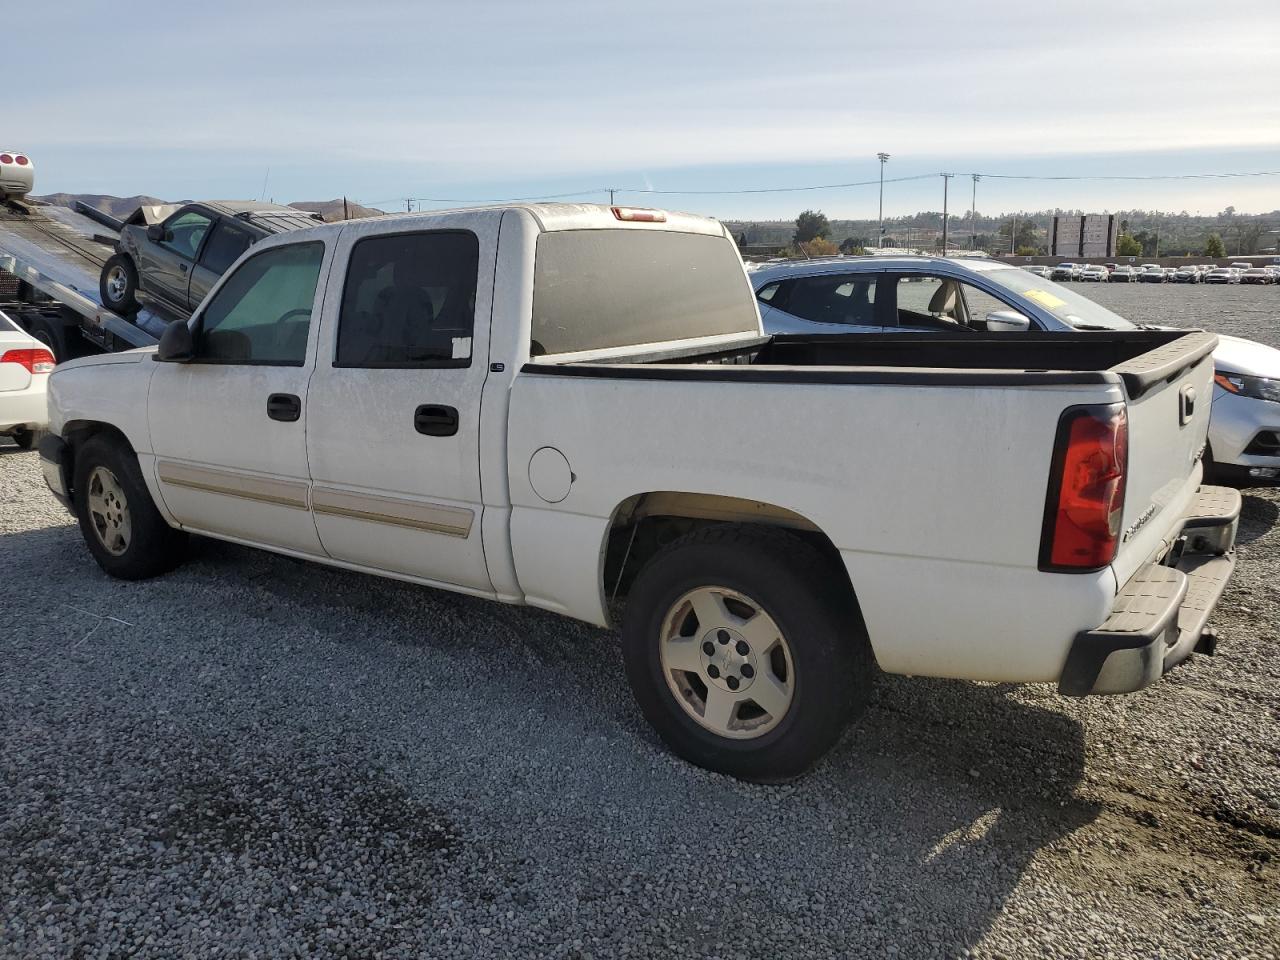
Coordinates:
[50,261]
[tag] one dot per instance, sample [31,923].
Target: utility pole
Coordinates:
[973,215]
[345,214]
[1013,235]
[611,196]
[408,205]
[946,182]
[884,158]
[1157,240]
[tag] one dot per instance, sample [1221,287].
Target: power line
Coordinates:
[820,186]
[744,191]
[1148,176]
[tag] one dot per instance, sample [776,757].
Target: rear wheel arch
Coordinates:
[643,524]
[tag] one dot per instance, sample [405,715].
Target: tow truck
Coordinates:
[51,259]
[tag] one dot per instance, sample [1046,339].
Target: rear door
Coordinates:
[227,240]
[166,264]
[394,404]
[826,303]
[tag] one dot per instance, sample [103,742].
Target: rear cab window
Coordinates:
[616,288]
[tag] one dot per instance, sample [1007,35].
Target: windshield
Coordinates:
[1068,306]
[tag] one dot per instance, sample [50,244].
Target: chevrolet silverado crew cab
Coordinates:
[574,407]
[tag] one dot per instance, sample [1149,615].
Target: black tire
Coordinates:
[153,547]
[25,437]
[52,334]
[121,296]
[809,603]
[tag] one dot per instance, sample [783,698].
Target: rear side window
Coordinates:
[225,245]
[840,298]
[409,301]
[596,289]
[262,312]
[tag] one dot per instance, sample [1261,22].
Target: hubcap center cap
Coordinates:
[728,662]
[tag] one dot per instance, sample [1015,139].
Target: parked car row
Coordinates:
[1155,273]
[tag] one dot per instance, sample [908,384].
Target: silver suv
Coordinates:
[178,260]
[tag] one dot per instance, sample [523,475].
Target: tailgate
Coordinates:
[1170,392]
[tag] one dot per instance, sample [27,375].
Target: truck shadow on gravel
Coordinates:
[1258,516]
[936,800]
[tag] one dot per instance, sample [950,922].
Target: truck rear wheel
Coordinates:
[119,284]
[52,335]
[120,524]
[743,653]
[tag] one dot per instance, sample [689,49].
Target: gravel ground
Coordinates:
[259,757]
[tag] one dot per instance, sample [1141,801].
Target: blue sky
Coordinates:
[489,100]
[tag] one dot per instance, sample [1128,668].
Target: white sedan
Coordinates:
[25,365]
[17,175]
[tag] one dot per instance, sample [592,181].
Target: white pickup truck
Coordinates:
[567,406]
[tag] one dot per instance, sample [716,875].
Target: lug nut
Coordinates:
[722,636]
[713,671]
[742,648]
[732,682]
[747,671]
[708,648]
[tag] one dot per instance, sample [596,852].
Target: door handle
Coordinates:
[182,267]
[284,407]
[436,420]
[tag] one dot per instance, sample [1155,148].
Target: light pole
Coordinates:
[884,158]
[946,182]
[973,215]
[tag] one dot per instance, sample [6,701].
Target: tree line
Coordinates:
[1142,233]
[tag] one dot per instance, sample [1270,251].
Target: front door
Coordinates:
[228,428]
[394,405]
[225,243]
[166,264]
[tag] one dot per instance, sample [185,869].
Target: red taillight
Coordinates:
[640,214]
[21,160]
[36,360]
[1086,489]
[6,158]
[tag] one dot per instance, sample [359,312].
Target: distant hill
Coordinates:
[122,207]
[332,209]
[118,207]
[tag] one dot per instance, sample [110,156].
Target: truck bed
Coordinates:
[1140,359]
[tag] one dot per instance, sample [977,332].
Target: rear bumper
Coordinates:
[24,408]
[1159,616]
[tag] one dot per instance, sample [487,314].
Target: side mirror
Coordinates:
[155,232]
[177,344]
[1004,321]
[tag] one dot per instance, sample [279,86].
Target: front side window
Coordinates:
[262,313]
[409,301]
[225,245]
[847,299]
[184,231]
[943,303]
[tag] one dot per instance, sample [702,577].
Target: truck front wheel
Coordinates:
[119,284]
[743,653]
[118,520]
